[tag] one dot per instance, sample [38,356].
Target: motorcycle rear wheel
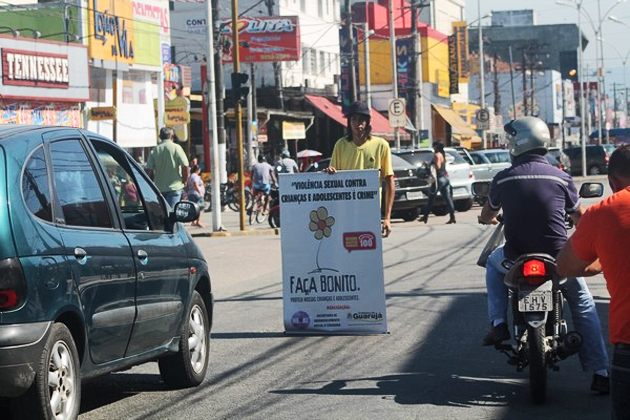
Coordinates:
[537,364]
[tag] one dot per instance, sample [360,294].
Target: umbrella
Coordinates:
[308,153]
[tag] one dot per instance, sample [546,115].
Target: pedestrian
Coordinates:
[534,197]
[359,149]
[196,191]
[443,185]
[285,164]
[168,166]
[600,243]
[262,176]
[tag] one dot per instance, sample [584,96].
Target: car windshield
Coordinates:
[417,158]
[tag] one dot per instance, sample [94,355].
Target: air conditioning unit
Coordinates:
[331,90]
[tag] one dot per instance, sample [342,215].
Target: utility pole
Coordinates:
[238,114]
[495,86]
[414,72]
[523,68]
[392,36]
[212,123]
[512,85]
[277,69]
[481,72]
[366,63]
[352,70]
[220,170]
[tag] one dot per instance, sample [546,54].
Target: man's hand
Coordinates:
[330,170]
[386,227]
[494,221]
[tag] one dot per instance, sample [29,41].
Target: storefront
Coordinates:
[43,82]
[128,43]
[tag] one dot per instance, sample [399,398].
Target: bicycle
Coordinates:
[256,211]
[230,196]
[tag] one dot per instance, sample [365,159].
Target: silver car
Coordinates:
[487,163]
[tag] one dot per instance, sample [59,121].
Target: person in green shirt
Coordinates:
[168,166]
[361,150]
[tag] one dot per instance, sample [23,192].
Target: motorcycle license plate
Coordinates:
[535,301]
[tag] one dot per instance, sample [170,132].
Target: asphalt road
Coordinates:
[430,365]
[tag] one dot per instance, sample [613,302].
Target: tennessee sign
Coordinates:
[29,68]
[272,38]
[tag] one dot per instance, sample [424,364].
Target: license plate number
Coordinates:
[535,301]
[414,195]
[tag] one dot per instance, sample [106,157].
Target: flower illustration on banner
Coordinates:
[320,223]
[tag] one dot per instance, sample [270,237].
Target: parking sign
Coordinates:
[396,113]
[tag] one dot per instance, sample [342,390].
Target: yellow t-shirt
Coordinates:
[373,154]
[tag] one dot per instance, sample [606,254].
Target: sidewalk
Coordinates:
[230,221]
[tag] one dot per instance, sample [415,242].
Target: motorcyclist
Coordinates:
[534,197]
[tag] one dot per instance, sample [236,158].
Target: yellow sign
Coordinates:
[460,30]
[102,113]
[177,115]
[111,30]
[443,79]
[293,130]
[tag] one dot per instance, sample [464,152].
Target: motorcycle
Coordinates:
[274,207]
[541,336]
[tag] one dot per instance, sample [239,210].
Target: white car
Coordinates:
[461,177]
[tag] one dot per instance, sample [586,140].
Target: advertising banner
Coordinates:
[348,50]
[268,38]
[40,113]
[453,68]
[293,130]
[332,259]
[111,30]
[460,31]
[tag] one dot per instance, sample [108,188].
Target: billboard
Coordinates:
[460,32]
[267,38]
[111,30]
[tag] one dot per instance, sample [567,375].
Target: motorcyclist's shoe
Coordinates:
[497,335]
[600,384]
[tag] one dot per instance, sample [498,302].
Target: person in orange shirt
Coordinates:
[600,243]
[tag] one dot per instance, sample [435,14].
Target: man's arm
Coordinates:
[390,188]
[488,216]
[577,215]
[185,172]
[570,265]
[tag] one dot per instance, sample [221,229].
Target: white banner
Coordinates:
[332,260]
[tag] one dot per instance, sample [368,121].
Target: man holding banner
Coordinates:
[360,150]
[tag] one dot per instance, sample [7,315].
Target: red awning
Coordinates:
[380,124]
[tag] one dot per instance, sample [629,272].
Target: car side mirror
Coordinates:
[186,211]
[591,190]
[481,188]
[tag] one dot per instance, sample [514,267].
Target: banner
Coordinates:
[332,258]
[460,32]
[348,50]
[453,68]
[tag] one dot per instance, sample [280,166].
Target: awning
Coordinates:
[380,124]
[458,125]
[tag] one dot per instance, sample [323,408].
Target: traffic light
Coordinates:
[240,91]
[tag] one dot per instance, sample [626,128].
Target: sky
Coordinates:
[616,36]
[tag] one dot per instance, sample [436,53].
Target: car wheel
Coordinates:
[56,390]
[411,214]
[188,367]
[463,205]
[594,170]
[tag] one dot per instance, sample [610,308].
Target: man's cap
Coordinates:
[358,107]
[285,153]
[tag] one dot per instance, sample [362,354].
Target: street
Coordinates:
[430,365]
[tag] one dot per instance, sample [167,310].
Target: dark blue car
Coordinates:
[97,274]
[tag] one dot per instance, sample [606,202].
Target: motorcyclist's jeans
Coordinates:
[620,383]
[593,355]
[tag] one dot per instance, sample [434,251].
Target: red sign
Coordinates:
[30,68]
[271,38]
[359,241]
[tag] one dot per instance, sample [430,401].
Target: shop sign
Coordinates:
[460,32]
[269,38]
[293,131]
[40,113]
[453,67]
[102,113]
[29,68]
[111,30]
[177,116]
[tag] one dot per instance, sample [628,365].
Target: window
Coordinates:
[35,186]
[323,68]
[306,59]
[98,84]
[313,57]
[320,8]
[134,89]
[77,187]
[155,208]
[303,5]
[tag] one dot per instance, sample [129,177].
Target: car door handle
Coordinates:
[142,255]
[80,254]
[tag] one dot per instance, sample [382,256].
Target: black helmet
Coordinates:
[358,107]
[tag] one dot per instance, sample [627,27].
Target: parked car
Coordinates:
[597,157]
[92,279]
[459,173]
[561,157]
[412,190]
[488,162]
